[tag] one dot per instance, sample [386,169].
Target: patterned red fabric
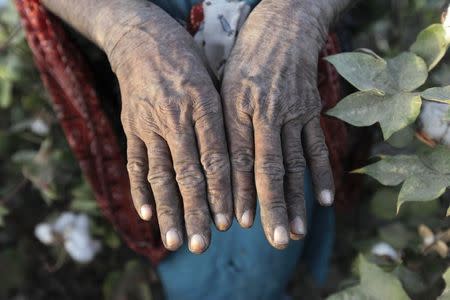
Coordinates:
[90,134]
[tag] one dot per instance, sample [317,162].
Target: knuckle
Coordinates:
[189,176]
[242,160]
[295,164]
[208,120]
[196,216]
[215,164]
[170,107]
[136,167]
[207,106]
[295,204]
[277,205]
[272,168]
[244,197]
[318,149]
[166,212]
[159,176]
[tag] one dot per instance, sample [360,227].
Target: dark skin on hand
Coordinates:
[179,162]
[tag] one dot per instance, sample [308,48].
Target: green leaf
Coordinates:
[420,209]
[402,138]
[3,213]
[10,68]
[396,235]
[431,45]
[411,281]
[446,293]
[375,284]
[393,170]
[110,284]
[366,72]
[112,240]
[422,188]
[84,200]
[438,159]
[88,206]
[438,94]
[14,264]
[383,203]
[366,108]
[424,177]
[5,93]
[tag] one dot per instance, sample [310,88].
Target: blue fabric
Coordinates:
[241,264]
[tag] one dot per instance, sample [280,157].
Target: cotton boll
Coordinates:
[65,222]
[434,123]
[446,138]
[82,223]
[81,247]
[386,250]
[74,231]
[44,233]
[39,127]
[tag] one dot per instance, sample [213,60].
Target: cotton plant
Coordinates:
[391,93]
[71,231]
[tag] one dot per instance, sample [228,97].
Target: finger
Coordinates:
[319,162]
[216,165]
[294,164]
[161,177]
[191,184]
[269,173]
[137,166]
[241,145]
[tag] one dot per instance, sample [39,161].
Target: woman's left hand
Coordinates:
[272,110]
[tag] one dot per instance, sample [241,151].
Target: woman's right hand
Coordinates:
[171,113]
[172,116]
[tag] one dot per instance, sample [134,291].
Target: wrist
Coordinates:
[104,22]
[120,20]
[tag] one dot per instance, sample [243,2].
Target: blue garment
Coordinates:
[240,263]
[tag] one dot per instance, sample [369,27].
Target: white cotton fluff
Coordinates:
[80,246]
[73,230]
[44,233]
[384,249]
[434,121]
[39,127]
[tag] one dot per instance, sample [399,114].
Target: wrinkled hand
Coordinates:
[172,117]
[272,107]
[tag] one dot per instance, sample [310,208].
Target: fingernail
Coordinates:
[146,212]
[197,244]
[246,219]
[173,239]
[297,226]
[221,221]
[280,236]
[326,198]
